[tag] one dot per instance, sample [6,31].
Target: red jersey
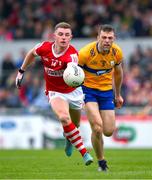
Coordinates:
[55,64]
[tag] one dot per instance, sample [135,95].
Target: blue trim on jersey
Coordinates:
[98,72]
[105,99]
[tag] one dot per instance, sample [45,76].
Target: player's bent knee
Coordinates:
[64,119]
[97,130]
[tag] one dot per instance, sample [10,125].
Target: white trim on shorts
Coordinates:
[74,98]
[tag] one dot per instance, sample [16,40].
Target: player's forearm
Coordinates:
[118,78]
[28,60]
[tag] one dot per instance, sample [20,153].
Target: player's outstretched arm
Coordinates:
[27,61]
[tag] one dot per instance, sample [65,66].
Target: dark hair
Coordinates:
[106,28]
[62,25]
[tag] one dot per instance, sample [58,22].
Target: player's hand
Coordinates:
[19,78]
[118,101]
[72,64]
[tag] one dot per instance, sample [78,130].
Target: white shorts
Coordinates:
[74,98]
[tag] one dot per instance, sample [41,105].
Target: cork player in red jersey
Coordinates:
[65,101]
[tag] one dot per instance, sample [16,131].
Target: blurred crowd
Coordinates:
[137,84]
[136,89]
[35,19]
[31,19]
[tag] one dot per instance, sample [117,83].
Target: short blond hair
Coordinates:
[63,25]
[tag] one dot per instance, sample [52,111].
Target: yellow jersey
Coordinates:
[98,67]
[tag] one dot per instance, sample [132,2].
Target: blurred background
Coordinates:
[26,119]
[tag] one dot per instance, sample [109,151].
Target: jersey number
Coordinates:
[56,62]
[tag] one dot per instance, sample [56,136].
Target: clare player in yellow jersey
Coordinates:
[101,61]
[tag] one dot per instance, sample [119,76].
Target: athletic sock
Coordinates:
[73,135]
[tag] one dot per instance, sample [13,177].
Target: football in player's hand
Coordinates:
[73,75]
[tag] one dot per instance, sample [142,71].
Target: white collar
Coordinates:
[60,54]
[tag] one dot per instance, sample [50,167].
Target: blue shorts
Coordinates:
[105,99]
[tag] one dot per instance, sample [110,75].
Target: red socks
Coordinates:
[72,134]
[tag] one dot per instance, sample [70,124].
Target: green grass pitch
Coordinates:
[53,164]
